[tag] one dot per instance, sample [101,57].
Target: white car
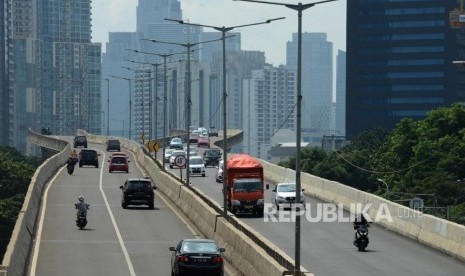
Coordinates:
[219,172]
[173,156]
[284,194]
[168,152]
[196,166]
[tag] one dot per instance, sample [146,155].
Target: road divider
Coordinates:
[443,235]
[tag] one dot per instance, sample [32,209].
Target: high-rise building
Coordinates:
[6,85]
[317,83]
[26,71]
[233,43]
[239,66]
[155,12]
[268,106]
[399,62]
[340,110]
[71,66]
[113,60]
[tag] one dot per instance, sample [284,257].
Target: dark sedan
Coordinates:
[197,257]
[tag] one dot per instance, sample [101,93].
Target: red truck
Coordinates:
[245,185]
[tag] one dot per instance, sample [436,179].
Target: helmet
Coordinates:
[81,198]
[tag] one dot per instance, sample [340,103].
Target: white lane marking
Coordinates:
[190,226]
[35,255]
[113,221]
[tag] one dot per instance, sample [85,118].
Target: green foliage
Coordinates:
[16,172]
[416,157]
[9,210]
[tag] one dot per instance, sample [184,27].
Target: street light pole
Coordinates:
[108,106]
[130,102]
[223,31]
[165,91]
[299,8]
[188,96]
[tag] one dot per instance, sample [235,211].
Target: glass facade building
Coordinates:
[71,66]
[6,84]
[399,61]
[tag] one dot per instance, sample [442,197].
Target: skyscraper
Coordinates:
[340,115]
[6,91]
[268,106]
[239,66]
[26,71]
[399,62]
[317,83]
[71,65]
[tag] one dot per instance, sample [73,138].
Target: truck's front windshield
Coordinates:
[247,186]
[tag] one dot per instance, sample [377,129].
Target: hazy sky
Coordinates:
[120,16]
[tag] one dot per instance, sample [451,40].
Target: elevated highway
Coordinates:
[327,246]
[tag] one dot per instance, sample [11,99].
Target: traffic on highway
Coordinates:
[327,247]
[129,231]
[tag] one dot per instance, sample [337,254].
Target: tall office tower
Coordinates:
[208,49]
[6,85]
[151,24]
[177,94]
[239,66]
[317,83]
[268,106]
[155,12]
[340,128]
[71,66]
[142,99]
[112,62]
[26,71]
[399,62]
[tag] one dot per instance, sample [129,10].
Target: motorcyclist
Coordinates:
[71,161]
[359,220]
[82,207]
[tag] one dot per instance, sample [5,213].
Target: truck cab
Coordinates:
[245,185]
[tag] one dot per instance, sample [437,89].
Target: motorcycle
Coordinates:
[361,237]
[81,221]
[70,166]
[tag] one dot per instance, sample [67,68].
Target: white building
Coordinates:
[269,100]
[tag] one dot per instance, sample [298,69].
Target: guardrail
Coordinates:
[17,254]
[443,235]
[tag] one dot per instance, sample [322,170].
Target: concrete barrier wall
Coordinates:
[18,251]
[243,253]
[435,232]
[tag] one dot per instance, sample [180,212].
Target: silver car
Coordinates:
[219,172]
[284,194]
[168,152]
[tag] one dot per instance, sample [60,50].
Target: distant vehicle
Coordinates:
[196,166]
[245,185]
[203,131]
[213,132]
[200,256]
[113,145]
[211,157]
[88,157]
[173,156]
[284,195]
[194,136]
[219,172]
[120,153]
[137,191]
[80,141]
[167,156]
[176,143]
[203,141]
[118,163]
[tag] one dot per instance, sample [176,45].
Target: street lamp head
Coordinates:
[380,180]
[274,19]
[175,20]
